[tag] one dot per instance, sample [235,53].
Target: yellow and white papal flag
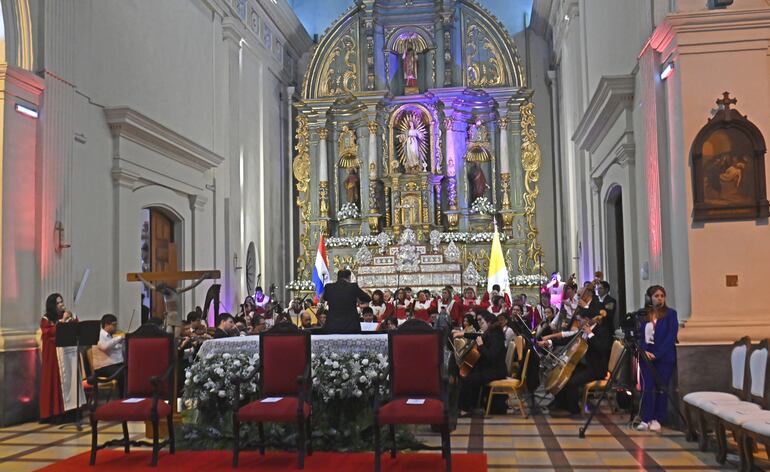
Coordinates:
[498,274]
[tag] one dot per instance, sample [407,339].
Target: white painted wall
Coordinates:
[182,64]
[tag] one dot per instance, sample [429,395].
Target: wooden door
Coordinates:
[163,257]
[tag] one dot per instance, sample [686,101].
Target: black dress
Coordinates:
[490,366]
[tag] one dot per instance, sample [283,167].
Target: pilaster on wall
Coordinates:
[20,261]
[738,40]
[56,138]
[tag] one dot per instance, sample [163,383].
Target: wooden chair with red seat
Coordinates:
[284,374]
[418,386]
[148,370]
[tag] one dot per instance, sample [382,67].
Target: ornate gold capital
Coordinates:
[323,133]
[503,123]
[373,127]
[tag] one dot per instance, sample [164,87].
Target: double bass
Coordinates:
[570,356]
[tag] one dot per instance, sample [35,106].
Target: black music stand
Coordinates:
[79,333]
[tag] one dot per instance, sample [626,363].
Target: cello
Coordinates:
[570,356]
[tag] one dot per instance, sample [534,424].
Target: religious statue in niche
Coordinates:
[728,167]
[410,64]
[353,187]
[413,140]
[477,183]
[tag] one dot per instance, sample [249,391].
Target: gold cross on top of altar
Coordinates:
[726,101]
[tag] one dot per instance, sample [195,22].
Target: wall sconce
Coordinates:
[58,228]
[27,110]
[235,262]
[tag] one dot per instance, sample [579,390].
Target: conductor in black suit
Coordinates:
[342,297]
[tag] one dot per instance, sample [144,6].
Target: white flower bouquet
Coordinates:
[348,210]
[482,206]
[301,285]
[347,376]
[528,280]
[208,383]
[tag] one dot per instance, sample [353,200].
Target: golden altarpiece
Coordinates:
[415,134]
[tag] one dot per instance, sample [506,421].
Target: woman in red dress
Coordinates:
[50,398]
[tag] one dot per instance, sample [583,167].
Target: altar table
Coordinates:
[319,343]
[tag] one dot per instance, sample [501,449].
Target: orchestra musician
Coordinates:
[490,365]
[594,364]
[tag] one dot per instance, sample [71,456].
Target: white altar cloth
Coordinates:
[319,343]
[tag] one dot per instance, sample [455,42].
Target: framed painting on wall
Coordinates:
[728,168]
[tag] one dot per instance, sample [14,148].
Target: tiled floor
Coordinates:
[511,443]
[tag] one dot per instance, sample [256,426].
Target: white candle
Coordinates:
[323,168]
[504,168]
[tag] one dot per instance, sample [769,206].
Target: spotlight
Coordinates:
[25,110]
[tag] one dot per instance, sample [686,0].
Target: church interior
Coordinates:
[552,189]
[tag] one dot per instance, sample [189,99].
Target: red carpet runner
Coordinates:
[209,461]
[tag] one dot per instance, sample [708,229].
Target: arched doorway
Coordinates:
[159,254]
[616,262]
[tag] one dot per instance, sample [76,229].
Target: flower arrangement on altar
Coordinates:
[348,376]
[301,286]
[208,382]
[482,206]
[471,237]
[355,241]
[528,280]
[383,239]
[349,211]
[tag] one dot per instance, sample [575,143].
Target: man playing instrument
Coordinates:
[593,366]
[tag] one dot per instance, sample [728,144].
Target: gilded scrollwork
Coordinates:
[338,77]
[301,170]
[530,161]
[483,60]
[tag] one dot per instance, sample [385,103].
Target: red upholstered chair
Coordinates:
[284,386]
[416,359]
[149,365]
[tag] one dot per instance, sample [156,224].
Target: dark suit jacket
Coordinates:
[610,305]
[342,298]
[220,333]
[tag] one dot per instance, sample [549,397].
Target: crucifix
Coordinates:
[164,283]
